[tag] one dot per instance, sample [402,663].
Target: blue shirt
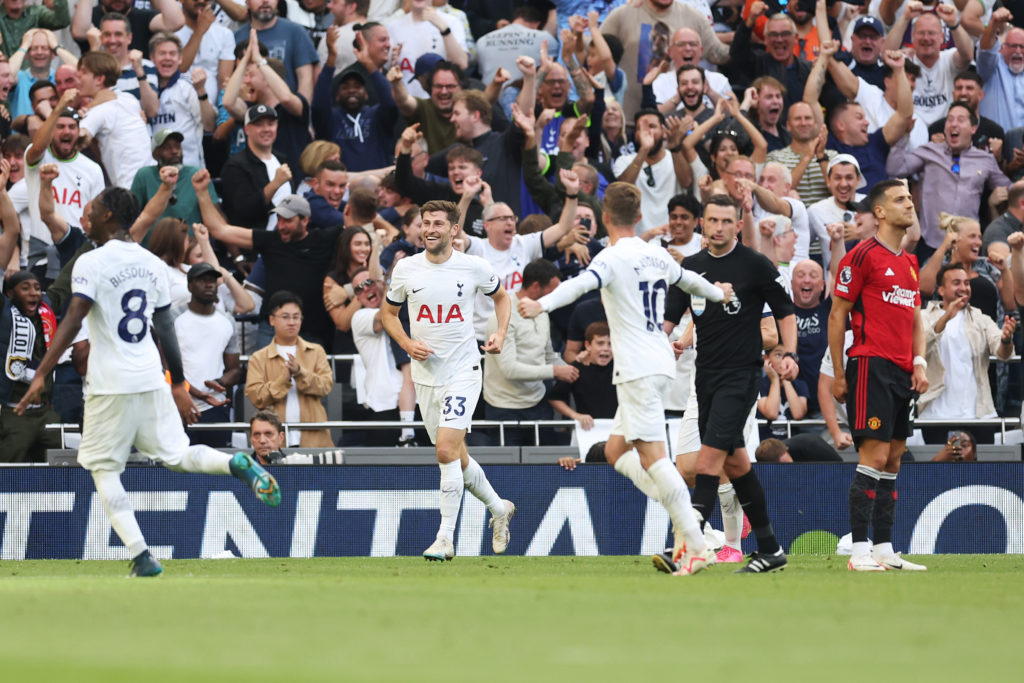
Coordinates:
[287,41]
[18,100]
[1004,91]
[871,157]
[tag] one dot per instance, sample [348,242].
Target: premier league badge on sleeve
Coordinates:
[845,275]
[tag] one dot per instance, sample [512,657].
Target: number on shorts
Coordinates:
[458,409]
[138,313]
[650,295]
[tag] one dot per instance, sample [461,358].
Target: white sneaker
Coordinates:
[501,535]
[440,550]
[864,563]
[691,563]
[896,561]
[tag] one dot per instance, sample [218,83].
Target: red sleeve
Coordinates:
[915,270]
[850,279]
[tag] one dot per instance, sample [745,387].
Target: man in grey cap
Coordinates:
[170,180]
[296,259]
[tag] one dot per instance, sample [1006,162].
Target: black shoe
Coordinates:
[144,564]
[407,442]
[663,561]
[762,563]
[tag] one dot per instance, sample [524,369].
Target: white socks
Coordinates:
[476,483]
[674,495]
[883,550]
[206,460]
[119,510]
[629,466]
[732,515]
[452,488]
[407,416]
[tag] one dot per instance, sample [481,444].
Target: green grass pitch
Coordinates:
[509,619]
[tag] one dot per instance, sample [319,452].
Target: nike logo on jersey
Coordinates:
[888,271]
[417,290]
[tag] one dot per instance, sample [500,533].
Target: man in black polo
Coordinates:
[296,258]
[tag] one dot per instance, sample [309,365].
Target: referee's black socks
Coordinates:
[751,495]
[705,493]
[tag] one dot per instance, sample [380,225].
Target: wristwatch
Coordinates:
[790,354]
[240,258]
[447,31]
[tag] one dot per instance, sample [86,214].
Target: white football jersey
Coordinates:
[634,278]
[441,299]
[125,283]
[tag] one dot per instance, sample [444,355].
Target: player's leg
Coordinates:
[450,446]
[769,556]
[735,523]
[621,455]
[476,482]
[109,422]
[161,436]
[868,401]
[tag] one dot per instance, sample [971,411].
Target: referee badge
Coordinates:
[697,304]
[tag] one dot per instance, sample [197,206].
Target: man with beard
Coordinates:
[257,177]
[81,179]
[1001,67]
[167,152]
[209,354]
[865,49]
[686,49]
[969,88]
[166,15]
[343,113]
[659,173]
[208,45]
[284,40]
[954,174]
[27,325]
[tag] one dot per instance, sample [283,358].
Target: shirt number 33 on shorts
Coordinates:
[454,406]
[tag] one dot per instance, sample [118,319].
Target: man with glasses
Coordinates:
[508,252]
[954,174]
[659,173]
[686,49]
[1001,67]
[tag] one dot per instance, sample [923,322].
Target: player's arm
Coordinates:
[919,379]
[416,349]
[769,333]
[563,295]
[503,313]
[213,220]
[828,413]
[692,283]
[66,333]
[163,333]
[841,309]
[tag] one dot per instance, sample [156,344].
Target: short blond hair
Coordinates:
[622,204]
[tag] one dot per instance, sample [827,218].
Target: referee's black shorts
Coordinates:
[724,400]
[878,399]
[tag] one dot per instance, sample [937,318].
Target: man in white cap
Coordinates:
[843,179]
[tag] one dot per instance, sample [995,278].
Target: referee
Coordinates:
[877,289]
[728,368]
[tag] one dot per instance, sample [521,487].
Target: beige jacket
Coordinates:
[984,337]
[268,382]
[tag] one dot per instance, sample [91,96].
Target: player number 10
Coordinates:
[650,295]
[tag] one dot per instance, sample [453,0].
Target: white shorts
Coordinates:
[450,405]
[113,423]
[641,413]
[688,440]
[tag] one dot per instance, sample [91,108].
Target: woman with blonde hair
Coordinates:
[315,153]
[991,280]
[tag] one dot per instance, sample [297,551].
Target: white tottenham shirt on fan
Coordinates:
[441,304]
[508,264]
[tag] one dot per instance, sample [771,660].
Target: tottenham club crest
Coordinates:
[460,286]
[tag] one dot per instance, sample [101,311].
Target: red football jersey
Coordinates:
[884,289]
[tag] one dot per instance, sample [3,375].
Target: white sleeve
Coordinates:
[396,291]
[83,280]
[570,290]
[690,282]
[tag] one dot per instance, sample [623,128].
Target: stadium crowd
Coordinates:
[279,153]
